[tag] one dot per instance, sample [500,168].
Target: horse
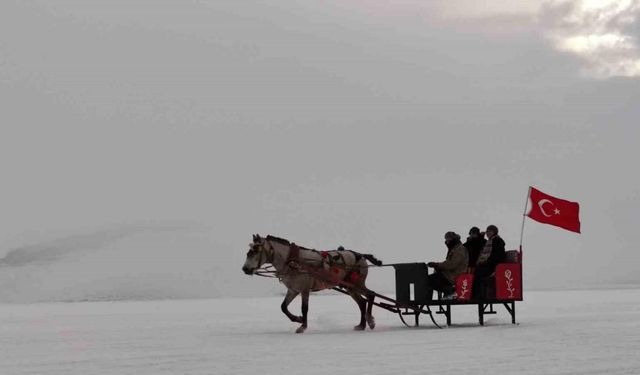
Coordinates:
[304,271]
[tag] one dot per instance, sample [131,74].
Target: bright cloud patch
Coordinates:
[599,32]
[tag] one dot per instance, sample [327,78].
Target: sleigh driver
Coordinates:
[444,278]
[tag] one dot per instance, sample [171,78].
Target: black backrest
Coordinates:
[408,276]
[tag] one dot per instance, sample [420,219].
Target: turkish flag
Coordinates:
[554,211]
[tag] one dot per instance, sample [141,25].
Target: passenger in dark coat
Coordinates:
[474,244]
[491,254]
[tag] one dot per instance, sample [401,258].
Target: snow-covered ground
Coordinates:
[560,332]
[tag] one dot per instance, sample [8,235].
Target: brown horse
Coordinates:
[304,271]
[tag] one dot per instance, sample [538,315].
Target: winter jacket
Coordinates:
[455,264]
[492,253]
[474,246]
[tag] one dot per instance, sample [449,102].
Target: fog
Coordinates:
[143,143]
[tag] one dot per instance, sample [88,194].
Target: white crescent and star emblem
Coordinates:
[542,202]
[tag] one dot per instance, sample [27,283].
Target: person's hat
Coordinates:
[451,236]
[492,228]
[474,230]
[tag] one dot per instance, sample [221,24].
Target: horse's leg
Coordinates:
[305,310]
[370,297]
[371,321]
[362,304]
[285,304]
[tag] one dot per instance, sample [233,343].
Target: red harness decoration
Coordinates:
[353,276]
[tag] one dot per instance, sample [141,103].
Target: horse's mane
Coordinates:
[280,240]
[283,241]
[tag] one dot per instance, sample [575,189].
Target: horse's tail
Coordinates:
[372,259]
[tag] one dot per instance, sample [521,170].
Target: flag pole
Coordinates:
[524,216]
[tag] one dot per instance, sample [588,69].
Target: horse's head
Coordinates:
[256,256]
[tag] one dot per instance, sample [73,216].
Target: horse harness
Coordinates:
[330,261]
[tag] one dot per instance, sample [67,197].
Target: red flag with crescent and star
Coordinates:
[554,211]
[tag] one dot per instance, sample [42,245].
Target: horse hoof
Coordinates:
[359,327]
[371,321]
[301,329]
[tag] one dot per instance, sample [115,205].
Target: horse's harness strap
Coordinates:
[338,259]
[271,252]
[293,259]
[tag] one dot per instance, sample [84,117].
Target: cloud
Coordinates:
[601,33]
[469,9]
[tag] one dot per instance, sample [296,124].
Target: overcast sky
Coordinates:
[377,125]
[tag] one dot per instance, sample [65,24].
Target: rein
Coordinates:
[266,271]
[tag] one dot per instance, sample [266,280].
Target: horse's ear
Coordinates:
[254,238]
[258,237]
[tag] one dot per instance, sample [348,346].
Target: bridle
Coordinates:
[268,270]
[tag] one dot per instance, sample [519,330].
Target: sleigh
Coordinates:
[414,297]
[504,287]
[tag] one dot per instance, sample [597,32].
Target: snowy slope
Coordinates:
[572,332]
[129,262]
